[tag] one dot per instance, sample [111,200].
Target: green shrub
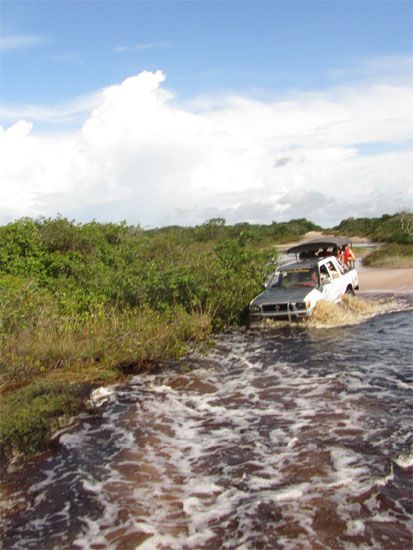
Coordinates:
[397,228]
[391,255]
[25,422]
[86,304]
[23,304]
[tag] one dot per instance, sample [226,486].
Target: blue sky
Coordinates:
[228,66]
[201,46]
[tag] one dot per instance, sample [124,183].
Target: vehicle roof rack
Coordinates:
[317,244]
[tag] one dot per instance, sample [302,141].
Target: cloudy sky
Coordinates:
[168,112]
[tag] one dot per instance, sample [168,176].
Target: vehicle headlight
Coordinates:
[254,308]
[300,305]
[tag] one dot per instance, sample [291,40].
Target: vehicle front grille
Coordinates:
[273,308]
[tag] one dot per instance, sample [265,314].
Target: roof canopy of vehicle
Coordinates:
[301,264]
[319,244]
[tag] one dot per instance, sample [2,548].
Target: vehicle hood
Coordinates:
[283,295]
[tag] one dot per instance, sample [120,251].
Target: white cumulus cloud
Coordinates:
[142,157]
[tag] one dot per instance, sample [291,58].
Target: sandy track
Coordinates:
[376,279]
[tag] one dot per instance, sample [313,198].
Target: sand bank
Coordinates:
[390,280]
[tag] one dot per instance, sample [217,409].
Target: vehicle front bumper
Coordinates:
[284,311]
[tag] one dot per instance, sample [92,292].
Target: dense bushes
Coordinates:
[85,266]
[215,229]
[87,304]
[391,229]
[59,280]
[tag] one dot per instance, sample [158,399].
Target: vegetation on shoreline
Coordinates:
[390,255]
[86,304]
[397,228]
[82,305]
[48,372]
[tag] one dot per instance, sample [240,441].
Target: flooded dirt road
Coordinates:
[276,438]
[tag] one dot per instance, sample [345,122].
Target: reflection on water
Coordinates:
[277,438]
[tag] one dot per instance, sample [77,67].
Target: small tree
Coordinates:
[406,222]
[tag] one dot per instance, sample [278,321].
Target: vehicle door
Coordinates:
[336,280]
[326,281]
[343,279]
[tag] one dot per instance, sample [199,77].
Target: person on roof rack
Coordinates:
[338,253]
[307,255]
[323,253]
[348,256]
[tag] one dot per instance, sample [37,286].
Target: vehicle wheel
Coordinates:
[350,291]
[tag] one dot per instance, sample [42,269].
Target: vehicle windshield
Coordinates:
[293,278]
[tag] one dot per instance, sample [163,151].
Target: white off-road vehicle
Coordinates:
[294,290]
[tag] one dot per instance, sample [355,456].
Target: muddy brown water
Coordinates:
[278,437]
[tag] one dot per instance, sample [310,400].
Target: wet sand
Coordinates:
[383,279]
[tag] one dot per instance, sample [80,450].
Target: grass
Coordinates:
[391,256]
[48,369]
[28,415]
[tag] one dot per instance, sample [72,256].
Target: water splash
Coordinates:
[350,310]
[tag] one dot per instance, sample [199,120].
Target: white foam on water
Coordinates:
[71,440]
[405,459]
[355,527]
[383,518]
[383,481]
[404,385]
[290,493]
[205,498]
[102,396]
[240,452]
[345,464]
[92,486]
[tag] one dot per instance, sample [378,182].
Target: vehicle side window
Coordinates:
[324,275]
[332,269]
